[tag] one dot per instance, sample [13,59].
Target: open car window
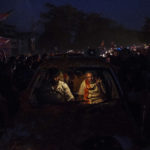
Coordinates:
[108,82]
[73,77]
[110,85]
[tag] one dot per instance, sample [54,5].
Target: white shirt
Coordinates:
[64,90]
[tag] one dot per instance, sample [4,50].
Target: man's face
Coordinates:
[89,77]
[56,79]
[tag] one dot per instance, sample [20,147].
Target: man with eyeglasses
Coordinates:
[91,89]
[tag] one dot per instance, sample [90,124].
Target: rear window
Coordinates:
[73,77]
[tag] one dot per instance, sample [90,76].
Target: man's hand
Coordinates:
[98,81]
[80,97]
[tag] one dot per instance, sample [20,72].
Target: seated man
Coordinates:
[53,90]
[91,90]
[59,89]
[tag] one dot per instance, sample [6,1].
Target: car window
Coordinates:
[110,85]
[108,82]
[73,77]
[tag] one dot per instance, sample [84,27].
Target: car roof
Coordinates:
[68,62]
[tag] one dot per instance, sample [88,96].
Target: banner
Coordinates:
[5,46]
[4,16]
[3,41]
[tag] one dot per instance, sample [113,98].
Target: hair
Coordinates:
[91,72]
[88,72]
[53,72]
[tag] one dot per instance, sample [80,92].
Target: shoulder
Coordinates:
[83,83]
[62,83]
[98,81]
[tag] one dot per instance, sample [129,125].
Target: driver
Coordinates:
[91,90]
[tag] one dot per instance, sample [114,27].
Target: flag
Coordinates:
[3,41]
[33,44]
[102,43]
[4,16]
[2,55]
[5,47]
[112,45]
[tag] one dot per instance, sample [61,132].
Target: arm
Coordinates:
[101,87]
[81,91]
[68,92]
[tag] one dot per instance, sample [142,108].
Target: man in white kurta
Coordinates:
[62,91]
[59,89]
[90,90]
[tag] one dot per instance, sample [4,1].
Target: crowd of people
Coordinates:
[133,70]
[15,74]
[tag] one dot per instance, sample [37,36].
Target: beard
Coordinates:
[91,81]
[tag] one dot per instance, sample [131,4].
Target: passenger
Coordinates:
[58,88]
[91,89]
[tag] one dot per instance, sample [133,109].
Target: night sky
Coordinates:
[129,13]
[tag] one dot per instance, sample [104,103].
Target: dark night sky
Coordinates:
[130,13]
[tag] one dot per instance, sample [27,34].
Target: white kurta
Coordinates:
[94,93]
[64,90]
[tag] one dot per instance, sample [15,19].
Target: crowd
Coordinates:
[15,74]
[133,70]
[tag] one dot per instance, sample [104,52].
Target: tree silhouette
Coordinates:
[146,31]
[66,27]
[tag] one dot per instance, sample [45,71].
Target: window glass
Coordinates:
[73,77]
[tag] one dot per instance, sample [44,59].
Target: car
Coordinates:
[73,125]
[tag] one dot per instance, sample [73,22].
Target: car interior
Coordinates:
[73,77]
